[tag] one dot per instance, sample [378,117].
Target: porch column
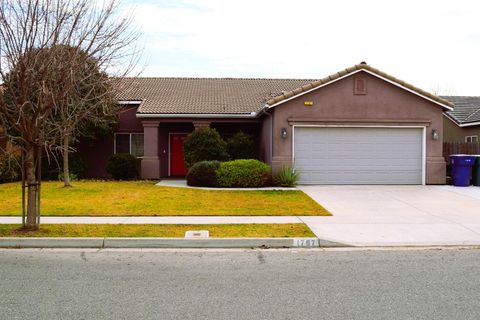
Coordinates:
[150,166]
[201,124]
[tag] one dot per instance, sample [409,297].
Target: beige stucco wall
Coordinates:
[384,104]
[454,133]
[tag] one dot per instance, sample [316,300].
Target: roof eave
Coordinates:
[470,124]
[199,115]
[460,124]
[134,101]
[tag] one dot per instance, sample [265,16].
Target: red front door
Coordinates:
[177,161]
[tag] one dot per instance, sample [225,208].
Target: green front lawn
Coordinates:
[160,230]
[143,198]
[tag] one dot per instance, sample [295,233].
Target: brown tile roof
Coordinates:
[205,95]
[232,95]
[360,66]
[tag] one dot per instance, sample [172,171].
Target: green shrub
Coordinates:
[52,168]
[246,173]
[286,177]
[122,166]
[203,174]
[241,146]
[10,168]
[204,144]
[77,166]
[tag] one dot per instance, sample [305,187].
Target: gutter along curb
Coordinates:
[101,243]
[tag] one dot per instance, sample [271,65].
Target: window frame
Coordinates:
[130,134]
[473,139]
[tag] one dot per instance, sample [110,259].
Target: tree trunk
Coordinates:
[32,188]
[66,171]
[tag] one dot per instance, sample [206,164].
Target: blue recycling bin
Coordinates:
[461,169]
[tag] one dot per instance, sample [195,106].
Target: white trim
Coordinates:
[313,89]
[469,124]
[196,115]
[472,136]
[371,73]
[130,102]
[449,117]
[461,125]
[424,139]
[410,90]
[168,152]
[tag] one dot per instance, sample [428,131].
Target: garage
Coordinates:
[359,155]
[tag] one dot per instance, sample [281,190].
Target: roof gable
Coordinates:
[286,96]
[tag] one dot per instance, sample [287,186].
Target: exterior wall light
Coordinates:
[284,133]
[434,134]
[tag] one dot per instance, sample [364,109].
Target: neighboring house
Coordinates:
[462,124]
[358,126]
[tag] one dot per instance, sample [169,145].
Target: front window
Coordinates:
[136,144]
[471,139]
[131,143]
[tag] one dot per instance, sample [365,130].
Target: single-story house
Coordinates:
[462,124]
[357,126]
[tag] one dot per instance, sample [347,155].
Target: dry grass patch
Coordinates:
[143,198]
[159,230]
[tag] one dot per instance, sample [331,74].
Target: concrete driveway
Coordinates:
[397,215]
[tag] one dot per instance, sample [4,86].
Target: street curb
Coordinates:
[101,243]
[51,242]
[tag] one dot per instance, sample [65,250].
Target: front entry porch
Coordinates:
[164,138]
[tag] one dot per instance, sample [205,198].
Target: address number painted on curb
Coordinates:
[306,242]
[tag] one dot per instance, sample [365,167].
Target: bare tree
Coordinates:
[90,102]
[44,45]
[442,90]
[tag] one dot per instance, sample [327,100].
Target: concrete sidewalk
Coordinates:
[397,215]
[160,220]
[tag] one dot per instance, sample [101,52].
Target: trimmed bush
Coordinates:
[204,144]
[122,166]
[245,173]
[203,174]
[9,168]
[53,169]
[241,146]
[286,177]
[76,165]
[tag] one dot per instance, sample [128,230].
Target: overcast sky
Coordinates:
[433,44]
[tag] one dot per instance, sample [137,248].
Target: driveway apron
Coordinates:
[397,215]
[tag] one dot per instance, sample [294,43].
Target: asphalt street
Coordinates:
[240,284]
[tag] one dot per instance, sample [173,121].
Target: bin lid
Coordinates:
[465,155]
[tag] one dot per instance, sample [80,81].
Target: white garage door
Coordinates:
[358,155]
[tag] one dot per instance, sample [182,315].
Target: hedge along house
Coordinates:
[358,126]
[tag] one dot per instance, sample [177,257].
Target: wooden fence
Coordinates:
[460,148]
